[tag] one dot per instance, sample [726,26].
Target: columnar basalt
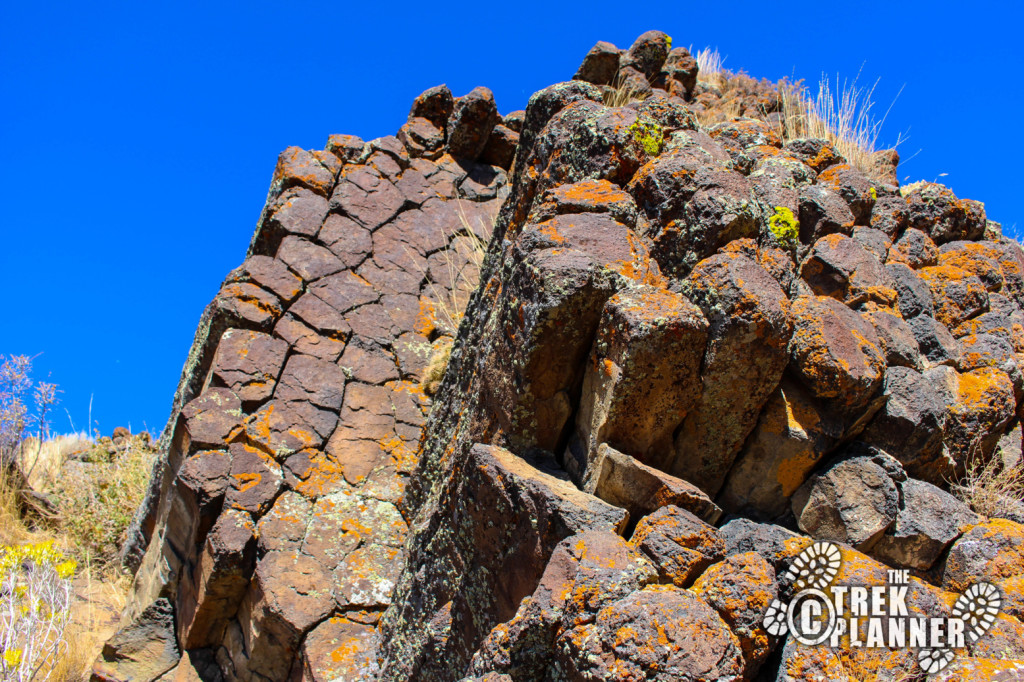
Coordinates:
[654,400]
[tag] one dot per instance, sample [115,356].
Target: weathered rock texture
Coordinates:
[643,353]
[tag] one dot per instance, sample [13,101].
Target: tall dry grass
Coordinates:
[710,69]
[841,112]
[460,264]
[624,91]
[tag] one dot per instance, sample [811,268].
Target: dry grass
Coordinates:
[841,113]
[987,485]
[450,287]
[709,67]
[461,263]
[622,92]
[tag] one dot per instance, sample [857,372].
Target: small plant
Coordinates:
[987,485]
[35,600]
[650,136]
[96,503]
[785,227]
[440,353]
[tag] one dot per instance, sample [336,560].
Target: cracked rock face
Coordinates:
[645,400]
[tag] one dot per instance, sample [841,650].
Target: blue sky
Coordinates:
[139,138]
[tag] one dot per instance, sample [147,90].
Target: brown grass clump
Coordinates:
[988,485]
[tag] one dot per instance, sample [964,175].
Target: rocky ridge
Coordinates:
[693,349]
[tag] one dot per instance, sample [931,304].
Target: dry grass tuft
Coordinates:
[461,262]
[450,283]
[841,113]
[988,485]
[623,91]
[709,67]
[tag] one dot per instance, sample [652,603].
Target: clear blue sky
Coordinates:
[139,138]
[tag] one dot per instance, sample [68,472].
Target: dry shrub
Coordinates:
[987,485]
[95,501]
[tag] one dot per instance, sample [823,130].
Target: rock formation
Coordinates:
[654,400]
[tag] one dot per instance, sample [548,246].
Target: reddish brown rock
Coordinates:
[659,633]
[297,167]
[835,353]
[642,376]
[740,588]
[914,249]
[338,650]
[218,582]
[625,482]
[212,417]
[750,325]
[853,501]
[247,306]
[248,364]
[587,572]
[599,65]
[503,545]
[472,120]
[934,209]
[838,266]
[990,551]
[270,274]
[958,295]
[289,594]
[679,544]
[793,433]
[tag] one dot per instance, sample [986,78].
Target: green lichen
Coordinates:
[651,136]
[785,226]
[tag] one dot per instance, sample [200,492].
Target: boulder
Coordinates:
[928,521]
[852,501]
[643,374]
[679,544]
[740,588]
[750,325]
[490,556]
[625,482]
[834,352]
[914,249]
[957,294]
[142,650]
[599,65]
[991,551]
[586,572]
[934,209]
[694,643]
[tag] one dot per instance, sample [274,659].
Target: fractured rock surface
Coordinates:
[549,396]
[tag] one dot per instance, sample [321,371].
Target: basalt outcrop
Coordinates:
[654,400]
